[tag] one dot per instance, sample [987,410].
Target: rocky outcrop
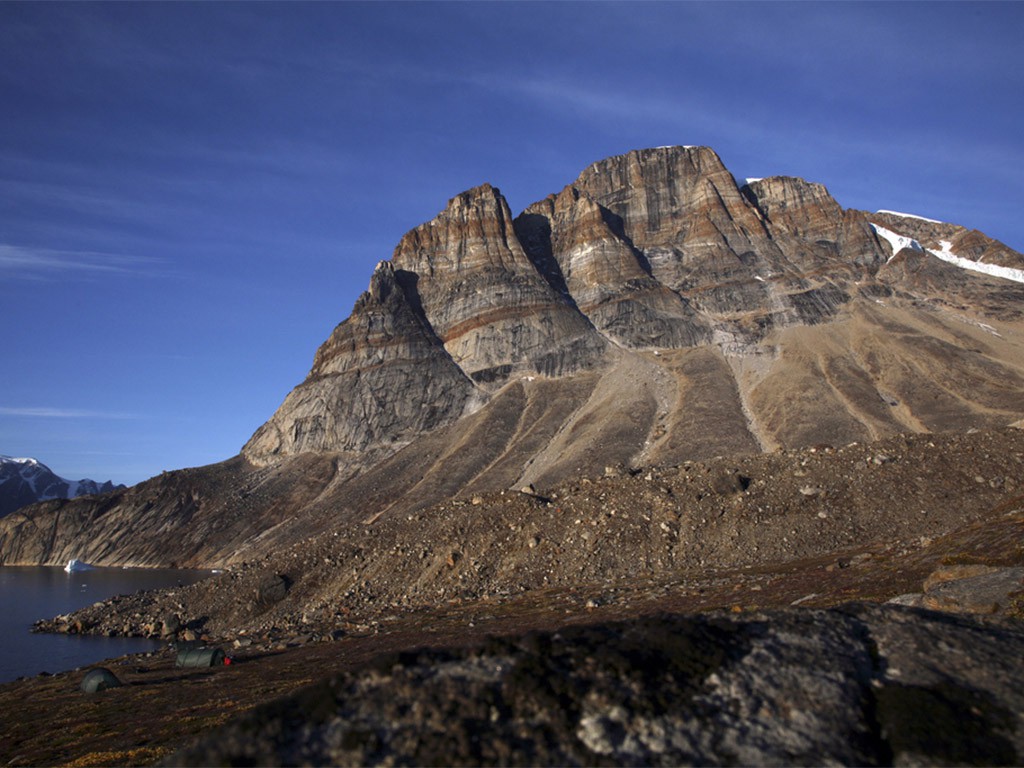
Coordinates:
[797,208]
[457,311]
[854,686]
[682,210]
[571,239]
[812,229]
[652,250]
[974,588]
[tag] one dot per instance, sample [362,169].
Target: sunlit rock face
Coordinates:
[484,298]
[748,259]
[656,249]
[458,310]
[651,312]
[681,208]
[573,241]
[381,378]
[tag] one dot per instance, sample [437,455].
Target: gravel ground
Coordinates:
[659,525]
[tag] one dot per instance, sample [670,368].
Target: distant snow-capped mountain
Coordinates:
[26,481]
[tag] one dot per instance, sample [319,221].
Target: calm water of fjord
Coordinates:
[31,593]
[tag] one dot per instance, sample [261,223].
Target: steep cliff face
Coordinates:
[810,227]
[682,210]
[775,252]
[574,243]
[458,310]
[382,378]
[656,249]
[651,312]
[484,298]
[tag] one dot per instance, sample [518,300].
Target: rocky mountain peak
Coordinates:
[654,249]
[673,197]
[651,312]
[380,378]
[473,232]
[797,207]
[25,481]
[653,390]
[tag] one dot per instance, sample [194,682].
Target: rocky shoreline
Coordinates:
[228,714]
[344,699]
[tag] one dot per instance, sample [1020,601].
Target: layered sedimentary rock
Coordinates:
[682,199]
[651,312]
[484,298]
[811,228]
[681,208]
[382,378]
[770,254]
[459,307]
[571,239]
[655,249]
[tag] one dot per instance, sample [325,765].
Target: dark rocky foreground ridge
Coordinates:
[810,687]
[657,391]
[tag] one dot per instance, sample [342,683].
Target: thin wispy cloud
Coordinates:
[45,412]
[28,262]
[63,193]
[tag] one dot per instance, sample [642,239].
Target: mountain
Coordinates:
[653,312]
[26,481]
[659,389]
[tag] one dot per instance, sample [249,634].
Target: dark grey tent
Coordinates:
[200,657]
[99,679]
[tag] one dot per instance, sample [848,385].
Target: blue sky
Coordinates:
[193,195]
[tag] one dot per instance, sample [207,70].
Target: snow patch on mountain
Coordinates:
[25,481]
[911,216]
[897,242]
[947,255]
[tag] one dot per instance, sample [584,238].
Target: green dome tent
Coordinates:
[99,679]
[200,657]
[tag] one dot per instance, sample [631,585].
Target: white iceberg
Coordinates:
[76,565]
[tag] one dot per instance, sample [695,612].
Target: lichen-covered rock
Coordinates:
[852,686]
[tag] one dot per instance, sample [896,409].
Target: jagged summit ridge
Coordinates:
[654,249]
[386,352]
